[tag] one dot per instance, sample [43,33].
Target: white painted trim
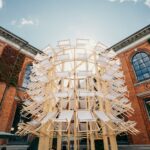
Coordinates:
[133,44]
[17,47]
[9,42]
[142,82]
[143,94]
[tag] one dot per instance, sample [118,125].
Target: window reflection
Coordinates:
[141,64]
[26,80]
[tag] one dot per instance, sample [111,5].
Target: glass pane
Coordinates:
[137,67]
[146,59]
[139,73]
[138,56]
[140,78]
[136,63]
[135,59]
[146,75]
[147,63]
[144,70]
[140,61]
[144,54]
[142,65]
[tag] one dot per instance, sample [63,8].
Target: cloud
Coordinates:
[25,22]
[147,2]
[1,4]
[121,1]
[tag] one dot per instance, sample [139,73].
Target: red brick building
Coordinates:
[16,56]
[134,53]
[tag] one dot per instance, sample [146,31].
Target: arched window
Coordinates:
[26,80]
[141,64]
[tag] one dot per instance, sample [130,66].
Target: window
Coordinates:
[147,105]
[141,64]
[26,80]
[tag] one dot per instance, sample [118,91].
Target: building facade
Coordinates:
[16,56]
[134,53]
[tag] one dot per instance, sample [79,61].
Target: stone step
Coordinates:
[120,147]
[14,147]
[134,147]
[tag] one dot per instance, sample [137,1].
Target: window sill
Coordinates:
[23,89]
[142,82]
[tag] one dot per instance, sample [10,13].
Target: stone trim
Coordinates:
[143,94]
[5,34]
[142,82]
[131,39]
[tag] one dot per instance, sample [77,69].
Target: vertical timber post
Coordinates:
[101,108]
[43,143]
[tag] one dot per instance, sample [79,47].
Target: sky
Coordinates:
[44,22]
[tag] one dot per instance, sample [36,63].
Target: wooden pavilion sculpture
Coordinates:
[77,92]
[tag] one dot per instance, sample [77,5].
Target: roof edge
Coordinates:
[130,39]
[19,41]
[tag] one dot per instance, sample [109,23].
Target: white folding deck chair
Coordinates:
[63,120]
[86,117]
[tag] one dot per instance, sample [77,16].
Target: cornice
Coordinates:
[9,36]
[131,39]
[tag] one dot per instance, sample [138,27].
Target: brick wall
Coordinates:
[2,45]
[8,104]
[140,115]
[8,107]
